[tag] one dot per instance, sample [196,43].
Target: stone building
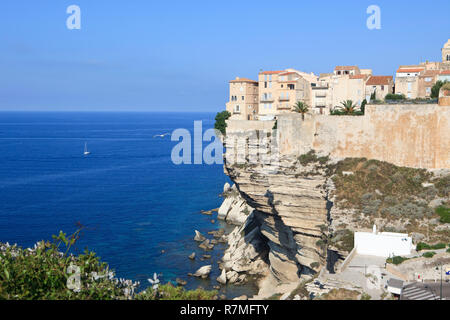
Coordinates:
[279,91]
[243,100]
[380,86]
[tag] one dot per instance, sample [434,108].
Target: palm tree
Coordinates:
[302,108]
[348,107]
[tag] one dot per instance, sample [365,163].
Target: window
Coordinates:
[382,88]
[448,57]
[409,86]
[265,77]
[237,108]
[270,77]
[428,90]
[427,79]
[270,84]
[265,84]
[242,98]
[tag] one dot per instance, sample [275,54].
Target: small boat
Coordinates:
[86,152]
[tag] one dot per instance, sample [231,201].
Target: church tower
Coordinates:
[446,52]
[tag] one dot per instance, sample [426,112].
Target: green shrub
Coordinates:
[170,292]
[220,124]
[423,246]
[42,273]
[396,260]
[312,157]
[429,254]
[444,213]
[436,88]
[391,96]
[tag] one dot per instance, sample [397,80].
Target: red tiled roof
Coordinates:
[340,68]
[409,70]
[270,72]
[286,73]
[358,76]
[243,80]
[379,80]
[445,72]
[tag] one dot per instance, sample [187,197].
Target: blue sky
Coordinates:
[180,55]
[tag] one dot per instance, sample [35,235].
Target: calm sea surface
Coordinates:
[133,201]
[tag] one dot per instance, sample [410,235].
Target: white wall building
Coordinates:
[383,244]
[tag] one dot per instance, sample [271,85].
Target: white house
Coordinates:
[383,244]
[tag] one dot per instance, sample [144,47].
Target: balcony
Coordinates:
[266,99]
[283,99]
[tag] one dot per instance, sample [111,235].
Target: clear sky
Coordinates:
[145,55]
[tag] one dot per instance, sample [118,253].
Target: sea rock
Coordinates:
[206,245]
[192,256]
[226,187]
[225,208]
[243,297]
[203,272]
[232,276]
[222,278]
[206,256]
[198,236]
[181,282]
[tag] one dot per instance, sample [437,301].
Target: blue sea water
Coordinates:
[133,201]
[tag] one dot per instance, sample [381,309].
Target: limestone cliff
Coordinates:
[291,210]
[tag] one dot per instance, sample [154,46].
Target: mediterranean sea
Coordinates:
[138,209]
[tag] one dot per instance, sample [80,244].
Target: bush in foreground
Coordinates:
[46,273]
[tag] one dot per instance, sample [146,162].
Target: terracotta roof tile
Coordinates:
[445,72]
[270,72]
[410,70]
[340,68]
[243,80]
[379,80]
[359,76]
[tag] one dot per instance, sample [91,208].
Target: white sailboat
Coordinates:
[86,152]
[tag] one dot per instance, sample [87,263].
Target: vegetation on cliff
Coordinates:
[46,273]
[399,196]
[220,124]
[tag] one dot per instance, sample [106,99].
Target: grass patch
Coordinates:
[429,254]
[444,213]
[365,296]
[311,157]
[424,246]
[396,260]
[340,294]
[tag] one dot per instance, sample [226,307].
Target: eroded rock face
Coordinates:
[290,209]
[234,208]
[247,250]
